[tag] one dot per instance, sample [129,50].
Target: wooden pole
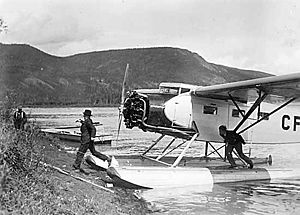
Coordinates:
[78,178]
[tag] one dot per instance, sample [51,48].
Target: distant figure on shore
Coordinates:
[88,131]
[20,118]
[234,140]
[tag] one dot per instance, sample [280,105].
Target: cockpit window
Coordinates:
[168,90]
[184,90]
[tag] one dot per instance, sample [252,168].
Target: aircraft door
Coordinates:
[209,114]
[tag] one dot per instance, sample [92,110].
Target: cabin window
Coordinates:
[207,109]
[263,114]
[236,113]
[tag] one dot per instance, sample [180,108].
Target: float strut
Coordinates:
[155,142]
[164,151]
[176,162]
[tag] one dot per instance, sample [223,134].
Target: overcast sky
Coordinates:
[249,34]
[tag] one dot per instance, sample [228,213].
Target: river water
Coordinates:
[275,197]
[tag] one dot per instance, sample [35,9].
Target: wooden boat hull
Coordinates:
[104,139]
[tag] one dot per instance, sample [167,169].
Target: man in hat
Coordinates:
[88,131]
[234,141]
[20,118]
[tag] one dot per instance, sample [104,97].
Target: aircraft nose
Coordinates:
[179,110]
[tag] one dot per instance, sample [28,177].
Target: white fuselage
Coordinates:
[208,114]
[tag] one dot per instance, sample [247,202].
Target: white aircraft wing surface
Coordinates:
[277,87]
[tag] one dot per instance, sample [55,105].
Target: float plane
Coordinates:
[263,110]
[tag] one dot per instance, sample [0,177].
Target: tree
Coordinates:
[3,26]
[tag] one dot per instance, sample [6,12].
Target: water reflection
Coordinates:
[261,197]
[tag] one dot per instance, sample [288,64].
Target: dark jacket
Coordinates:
[88,131]
[20,117]
[232,138]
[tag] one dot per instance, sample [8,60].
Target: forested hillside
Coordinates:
[95,78]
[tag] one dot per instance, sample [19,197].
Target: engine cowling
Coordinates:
[136,109]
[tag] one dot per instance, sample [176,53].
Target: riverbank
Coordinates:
[28,187]
[97,201]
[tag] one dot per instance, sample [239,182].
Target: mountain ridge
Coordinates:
[95,78]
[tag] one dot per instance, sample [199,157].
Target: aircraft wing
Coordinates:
[278,88]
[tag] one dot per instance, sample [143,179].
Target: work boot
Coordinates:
[78,160]
[250,166]
[76,168]
[109,160]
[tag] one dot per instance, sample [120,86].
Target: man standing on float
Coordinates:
[234,140]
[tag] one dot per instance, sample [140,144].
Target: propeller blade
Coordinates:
[119,125]
[122,100]
[124,84]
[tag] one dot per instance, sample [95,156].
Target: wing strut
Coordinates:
[267,115]
[256,104]
[236,105]
[250,111]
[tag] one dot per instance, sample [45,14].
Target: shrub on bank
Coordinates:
[25,186]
